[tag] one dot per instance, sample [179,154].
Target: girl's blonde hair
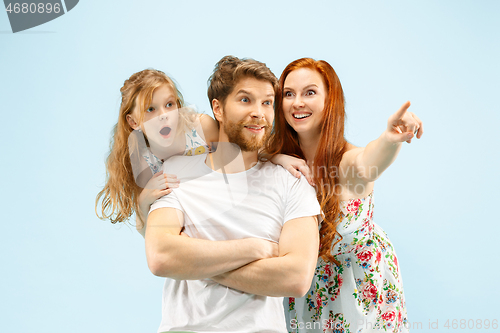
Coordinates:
[119,197]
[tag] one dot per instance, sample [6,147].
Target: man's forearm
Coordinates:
[185,258]
[277,277]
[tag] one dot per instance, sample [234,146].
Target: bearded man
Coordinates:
[252,227]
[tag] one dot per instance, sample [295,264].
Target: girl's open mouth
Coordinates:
[165,132]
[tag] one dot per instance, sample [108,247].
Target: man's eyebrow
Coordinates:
[243,91]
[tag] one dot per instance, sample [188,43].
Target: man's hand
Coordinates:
[267,249]
[298,254]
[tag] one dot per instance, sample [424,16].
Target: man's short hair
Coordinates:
[230,70]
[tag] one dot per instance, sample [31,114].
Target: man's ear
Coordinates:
[132,122]
[217,109]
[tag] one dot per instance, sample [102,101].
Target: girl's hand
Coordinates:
[294,165]
[403,126]
[159,185]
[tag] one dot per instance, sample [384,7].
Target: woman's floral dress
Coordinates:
[363,294]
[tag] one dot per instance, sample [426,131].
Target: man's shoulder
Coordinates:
[279,174]
[183,165]
[275,170]
[298,196]
[184,159]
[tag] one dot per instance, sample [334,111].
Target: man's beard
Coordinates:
[234,132]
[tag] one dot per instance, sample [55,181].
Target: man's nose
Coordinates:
[258,112]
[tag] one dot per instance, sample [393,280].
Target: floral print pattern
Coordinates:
[195,145]
[153,161]
[336,324]
[365,292]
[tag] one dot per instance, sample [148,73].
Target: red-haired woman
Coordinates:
[357,282]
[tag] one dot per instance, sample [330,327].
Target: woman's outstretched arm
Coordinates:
[371,161]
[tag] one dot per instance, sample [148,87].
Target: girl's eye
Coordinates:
[310,92]
[169,105]
[244,100]
[267,103]
[151,109]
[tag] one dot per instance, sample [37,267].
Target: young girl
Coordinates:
[153,125]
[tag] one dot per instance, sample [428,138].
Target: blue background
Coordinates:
[64,269]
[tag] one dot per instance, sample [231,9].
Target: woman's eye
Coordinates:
[151,109]
[288,94]
[310,92]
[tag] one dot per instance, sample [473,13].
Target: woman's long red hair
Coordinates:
[332,146]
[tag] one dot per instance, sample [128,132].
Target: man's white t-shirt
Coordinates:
[216,206]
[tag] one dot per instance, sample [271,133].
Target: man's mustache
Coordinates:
[255,123]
